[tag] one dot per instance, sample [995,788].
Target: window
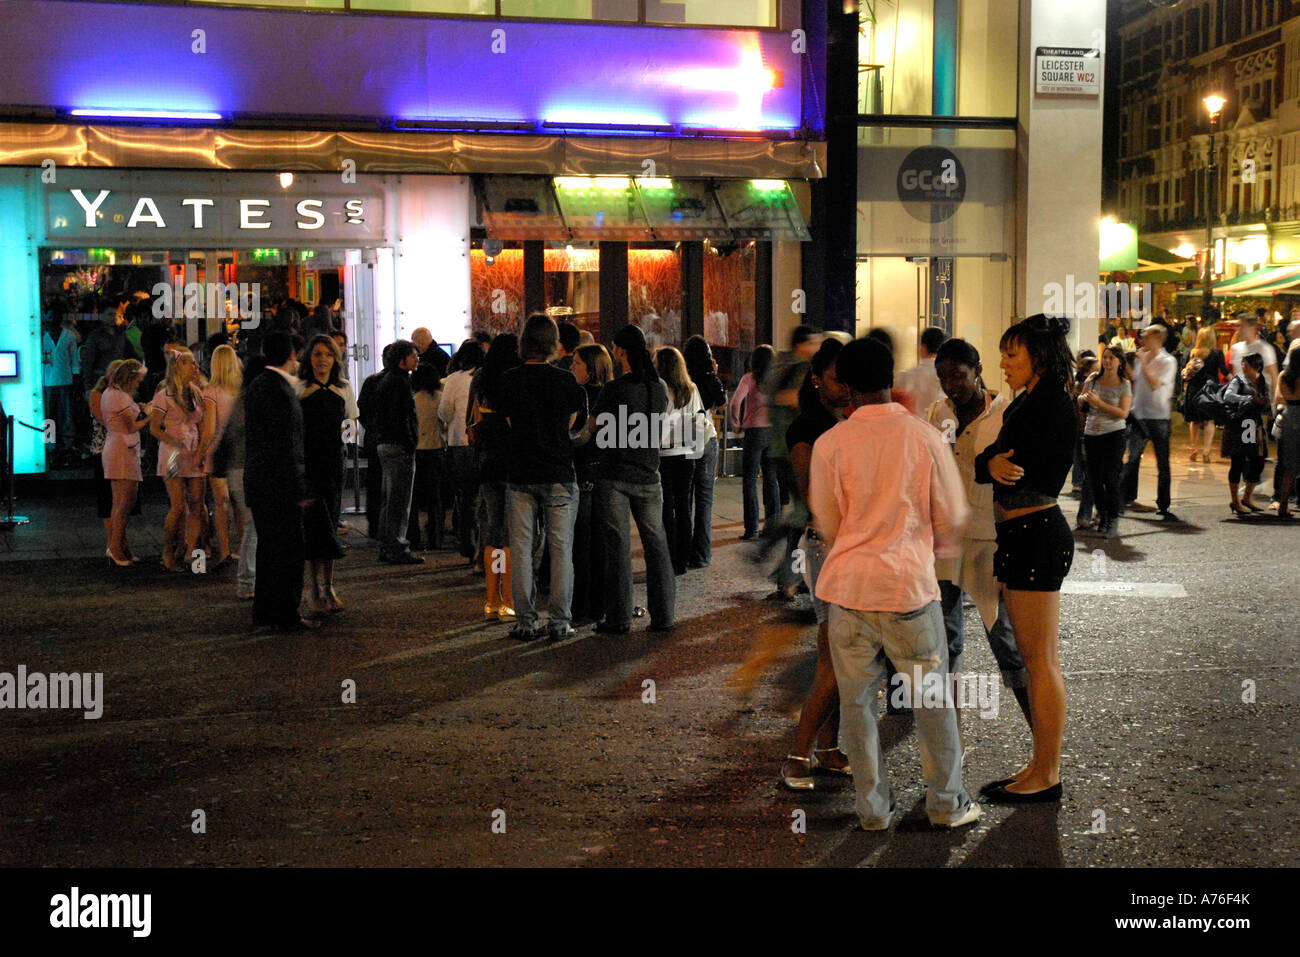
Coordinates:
[741,13]
[570,9]
[482,8]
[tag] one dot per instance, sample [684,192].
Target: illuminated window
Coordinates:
[476,8]
[738,13]
[300,4]
[571,9]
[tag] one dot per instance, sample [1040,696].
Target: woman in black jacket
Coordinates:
[1244,439]
[1027,466]
[702,369]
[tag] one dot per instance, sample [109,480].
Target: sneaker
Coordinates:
[559,633]
[523,633]
[882,824]
[970,817]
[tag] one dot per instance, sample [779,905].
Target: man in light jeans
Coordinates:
[541,403]
[557,504]
[1153,394]
[885,492]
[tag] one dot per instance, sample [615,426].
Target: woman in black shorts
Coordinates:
[1027,466]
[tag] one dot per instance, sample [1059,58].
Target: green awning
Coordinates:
[1260,282]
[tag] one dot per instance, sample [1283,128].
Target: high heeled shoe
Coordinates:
[119,562]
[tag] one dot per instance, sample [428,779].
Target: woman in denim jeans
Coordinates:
[749,414]
[628,484]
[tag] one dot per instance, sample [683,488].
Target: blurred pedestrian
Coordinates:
[702,369]
[749,415]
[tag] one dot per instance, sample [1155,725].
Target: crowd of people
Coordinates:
[889,500]
[1127,397]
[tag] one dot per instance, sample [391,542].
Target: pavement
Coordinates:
[466,748]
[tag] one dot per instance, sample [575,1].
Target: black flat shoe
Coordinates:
[605,628]
[1000,795]
[999,783]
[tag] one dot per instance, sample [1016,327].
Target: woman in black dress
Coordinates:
[323,411]
[1204,364]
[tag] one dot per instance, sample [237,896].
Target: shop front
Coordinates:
[936,234]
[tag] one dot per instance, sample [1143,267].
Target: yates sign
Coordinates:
[109,215]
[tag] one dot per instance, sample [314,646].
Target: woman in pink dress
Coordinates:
[181,420]
[123,419]
[222,390]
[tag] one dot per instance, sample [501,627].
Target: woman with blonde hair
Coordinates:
[1205,364]
[183,421]
[676,466]
[123,419]
[222,391]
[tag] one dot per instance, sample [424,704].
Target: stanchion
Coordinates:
[355,508]
[8,520]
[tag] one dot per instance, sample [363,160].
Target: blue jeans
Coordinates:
[753,457]
[557,504]
[1002,639]
[614,501]
[705,473]
[1155,431]
[914,642]
[399,475]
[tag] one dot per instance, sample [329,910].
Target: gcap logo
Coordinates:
[931,183]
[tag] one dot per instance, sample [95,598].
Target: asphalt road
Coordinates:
[456,729]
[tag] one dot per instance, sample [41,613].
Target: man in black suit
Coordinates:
[275,486]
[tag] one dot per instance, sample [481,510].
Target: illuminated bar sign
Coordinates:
[130,208]
[578,78]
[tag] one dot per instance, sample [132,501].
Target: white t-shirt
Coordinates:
[1149,403]
[921,382]
[1259,347]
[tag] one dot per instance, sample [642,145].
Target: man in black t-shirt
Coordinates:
[541,403]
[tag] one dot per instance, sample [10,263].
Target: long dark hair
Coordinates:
[1043,337]
[759,361]
[468,356]
[632,340]
[501,358]
[699,358]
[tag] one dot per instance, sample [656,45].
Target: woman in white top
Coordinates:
[681,432]
[427,389]
[970,418]
[453,410]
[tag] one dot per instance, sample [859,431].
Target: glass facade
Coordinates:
[723,13]
[938,57]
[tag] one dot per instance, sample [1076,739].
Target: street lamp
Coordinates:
[1214,104]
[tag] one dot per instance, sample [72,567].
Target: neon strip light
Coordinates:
[147,114]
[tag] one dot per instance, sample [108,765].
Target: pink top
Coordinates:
[225,403]
[121,452]
[181,432]
[755,403]
[886,492]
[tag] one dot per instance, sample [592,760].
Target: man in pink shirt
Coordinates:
[886,494]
